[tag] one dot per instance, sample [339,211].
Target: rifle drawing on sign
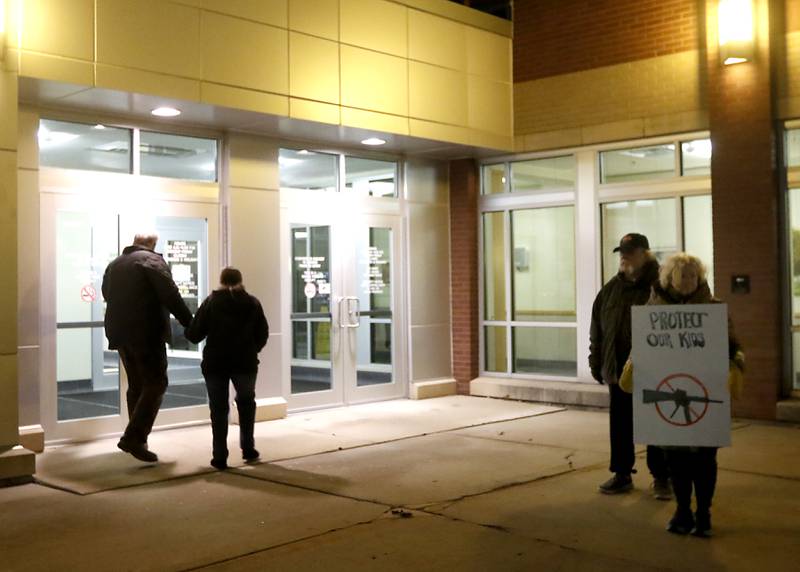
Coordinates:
[683,396]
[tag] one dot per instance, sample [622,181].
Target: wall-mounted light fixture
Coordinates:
[736,28]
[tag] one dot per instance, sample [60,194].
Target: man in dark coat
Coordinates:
[141,294]
[610,347]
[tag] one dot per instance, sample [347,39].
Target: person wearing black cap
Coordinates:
[609,349]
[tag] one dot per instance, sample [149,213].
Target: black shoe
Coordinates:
[662,489]
[702,526]
[619,483]
[250,454]
[219,464]
[682,522]
[138,450]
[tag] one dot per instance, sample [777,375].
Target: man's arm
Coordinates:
[160,278]
[596,339]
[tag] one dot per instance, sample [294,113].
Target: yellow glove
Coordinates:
[626,379]
[735,381]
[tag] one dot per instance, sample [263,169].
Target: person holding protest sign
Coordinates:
[609,349]
[683,281]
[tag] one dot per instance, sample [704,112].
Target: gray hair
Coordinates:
[672,270]
[148,240]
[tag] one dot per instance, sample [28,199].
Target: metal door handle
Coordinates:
[349,323]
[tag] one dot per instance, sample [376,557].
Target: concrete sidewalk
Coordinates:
[462,483]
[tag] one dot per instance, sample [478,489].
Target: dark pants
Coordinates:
[621,433]
[245,386]
[146,367]
[693,466]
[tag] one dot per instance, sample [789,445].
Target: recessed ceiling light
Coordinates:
[99,126]
[166,112]
[303,152]
[373,141]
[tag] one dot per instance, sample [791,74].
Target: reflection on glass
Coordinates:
[537,174]
[696,157]
[638,164]
[495,350]
[545,351]
[793,148]
[656,219]
[374,334]
[178,156]
[87,372]
[698,236]
[307,170]
[182,241]
[311,310]
[369,177]
[794,246]
[543,246]
[81,146]
[494,266]
[494,179]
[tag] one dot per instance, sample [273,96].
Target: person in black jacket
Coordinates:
[235,329]
[140,294]
[609,349]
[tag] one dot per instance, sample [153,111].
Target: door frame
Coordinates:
[340,211]
[120,194]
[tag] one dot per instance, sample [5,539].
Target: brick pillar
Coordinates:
[464,192]
[745,208]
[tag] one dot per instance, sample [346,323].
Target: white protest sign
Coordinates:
[680,375]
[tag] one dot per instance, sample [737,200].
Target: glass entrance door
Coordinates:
[344,299]
[83,383]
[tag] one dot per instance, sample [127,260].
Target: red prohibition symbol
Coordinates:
[88,293]
[681,391]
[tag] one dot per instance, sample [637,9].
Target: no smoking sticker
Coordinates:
[310,290]
[88,293]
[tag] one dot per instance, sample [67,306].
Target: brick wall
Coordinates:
[553,37]
[464,192]
[745,214]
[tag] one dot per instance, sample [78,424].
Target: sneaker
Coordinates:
[682,522]
[702,526]
[662,489]
[138,450]
[219,464]
[250,454]
[619,483]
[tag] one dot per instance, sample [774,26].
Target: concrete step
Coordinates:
[553,392]
[788,410]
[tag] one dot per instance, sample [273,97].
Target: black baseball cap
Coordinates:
[631,242]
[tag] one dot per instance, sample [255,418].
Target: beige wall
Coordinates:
[637,99]
[429,270]
[422,68]
[254,238]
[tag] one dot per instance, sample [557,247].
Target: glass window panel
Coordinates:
[87,374]
[494,266]
[638,164]
[794,246]
[370,178]
[793,148]
[696,157]
[307,170]
[81,146]
[177,156]
[494,179]
[547,351]
[698,235]
[543,247]
[656,219]
[549,173]
[495,350]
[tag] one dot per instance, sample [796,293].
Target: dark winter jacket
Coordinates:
[610,333]
[236,328]
[141,294]
[702,295]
